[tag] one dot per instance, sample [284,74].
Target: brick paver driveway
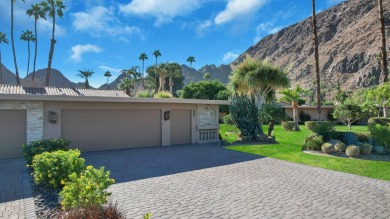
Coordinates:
[207,181]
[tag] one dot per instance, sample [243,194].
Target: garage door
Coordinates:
[12,133]
[93,130]
[180,127]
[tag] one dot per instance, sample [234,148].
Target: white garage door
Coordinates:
[12,133]
[93,130]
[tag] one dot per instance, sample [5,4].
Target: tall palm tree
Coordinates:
[28,36]
[53,8]
[126,84]
[191,59]
[36,11]
[107,75]
[293,96]
[13,42]
[316,60]
[385,77]
[86,73]
[3,39]
[133,74]
[143,57]
[156,54]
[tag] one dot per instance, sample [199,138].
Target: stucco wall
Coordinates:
[35,116]
[311,111]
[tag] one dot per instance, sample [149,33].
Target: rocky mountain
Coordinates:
[8,76]
[349,42]
[56,78]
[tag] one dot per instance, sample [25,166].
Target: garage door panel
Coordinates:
[12,133]
[180,127]
[91,130]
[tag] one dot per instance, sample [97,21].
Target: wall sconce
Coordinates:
[52,117]
[167,115]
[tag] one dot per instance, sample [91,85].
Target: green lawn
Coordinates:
[290,149]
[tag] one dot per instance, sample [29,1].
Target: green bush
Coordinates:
[352,151]
[86,189]
[320,128]
[362,137]
[313,142]
[380,121]
[381,134]
[340,146]
[228,120]
[288,125]
[145,94]
[327,148]
[350,138]
[163,94]
[365,149]
[40,146]
[303,117]
[110,211]
[54,168]
[377,149]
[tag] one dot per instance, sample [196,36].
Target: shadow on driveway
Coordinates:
[141,163]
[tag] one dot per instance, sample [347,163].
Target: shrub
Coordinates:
[381,134]
[327,148]
[365,148]
[380,121]
[87,189]
[288,126]
[40,146]
[320,128]
[313,142]
[350,138]
[54,168]
[352,151]
[303,117]
[379,150]
[228,120]
[163,94]
[340,146]
[362,137]
[145,94]
[111,211]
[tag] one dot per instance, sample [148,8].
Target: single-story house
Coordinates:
[101,119]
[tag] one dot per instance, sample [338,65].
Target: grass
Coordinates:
[290,149]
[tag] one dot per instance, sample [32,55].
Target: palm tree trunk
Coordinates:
[13,43]
[155,79]
[161,83]
[384,112]
[36,48]
[383,38]
[316,60]
[142,77]
[295,115]
[107,80]
[86,83]
[1,70]
[28,60]
[52,42]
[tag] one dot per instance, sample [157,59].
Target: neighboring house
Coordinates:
[310,110]
[101,119]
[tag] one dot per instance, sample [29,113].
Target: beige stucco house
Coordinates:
[101,119]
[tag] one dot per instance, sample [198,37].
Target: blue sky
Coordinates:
[110,35]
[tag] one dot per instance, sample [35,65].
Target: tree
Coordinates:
[126,84]
[3,39]
[162,72]
[348,113]
[381,96]
[132,74]
[316,61]
[13,42]
[107,75]
[383,39]
[191,59]
[207,90]
[293,96]
[143,57]
[206,76]
[86,73]
[156,54]
[53,8]
[341,95]
[36,11]
[271,112]
[28,36]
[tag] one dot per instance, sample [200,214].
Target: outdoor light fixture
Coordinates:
[52,117]
[167,115]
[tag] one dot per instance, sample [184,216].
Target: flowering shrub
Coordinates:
[86,189]
[45,145]
[54,168]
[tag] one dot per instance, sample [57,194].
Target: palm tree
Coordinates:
[383,39]
[53,8]
[36,11]
[316,61]
[86,73]
[142,57]
[156,54]
[108,75]
[3,39]
[293,96]
[13,42]
[191,59]
[126,84]
[133,74]
[28,36]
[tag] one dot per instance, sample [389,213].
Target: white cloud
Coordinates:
[229,57]
[264,29]
[202,28]
[78,50]
[112,70]
[162,10]
[237,9]
[102,21]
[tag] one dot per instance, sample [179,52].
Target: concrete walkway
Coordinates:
[207,181]
[16,199]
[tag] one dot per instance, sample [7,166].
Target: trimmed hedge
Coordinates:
[313,142]
[288,126]
[45,145]
[320,127]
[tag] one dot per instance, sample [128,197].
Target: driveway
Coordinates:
[208,181]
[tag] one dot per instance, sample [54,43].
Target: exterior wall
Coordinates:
[35,116]
[311,111]
[207,123]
